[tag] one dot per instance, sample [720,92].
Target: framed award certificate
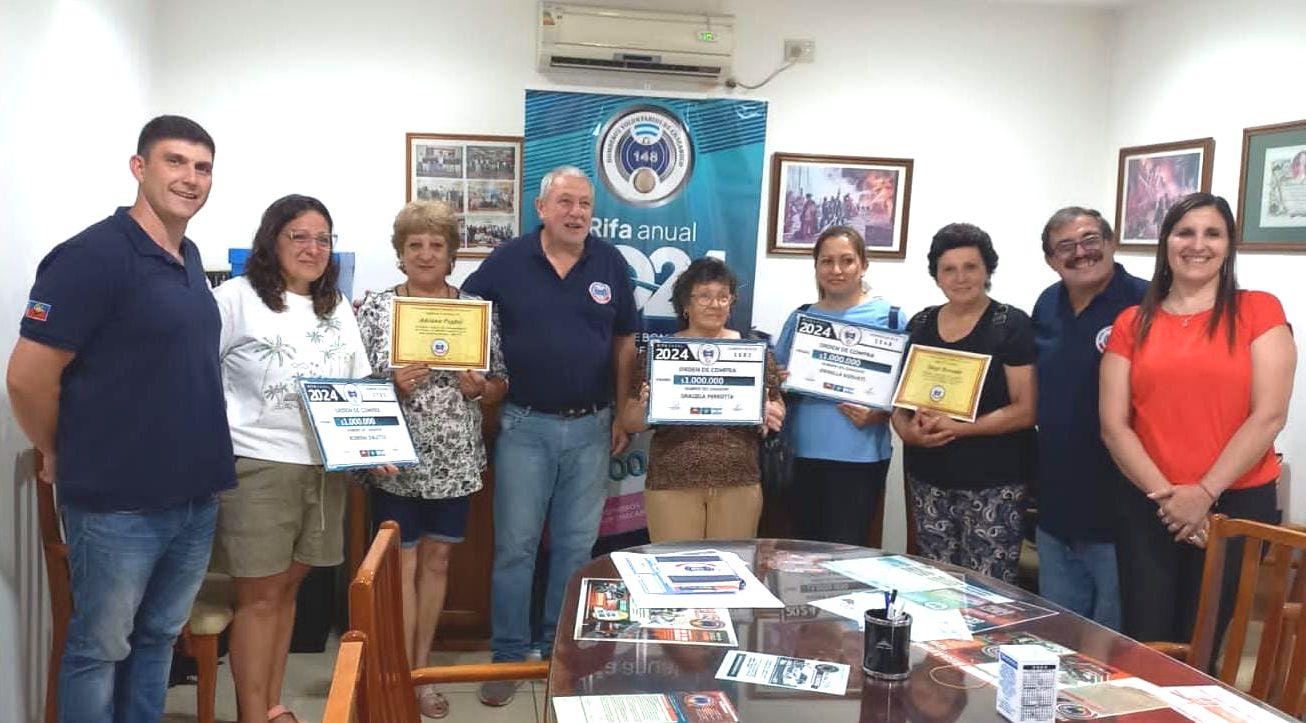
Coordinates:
[448,334]
[944,380]
[845,362]
[357,423]
[706,381]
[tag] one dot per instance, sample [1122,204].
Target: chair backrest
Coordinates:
[376,610]
[59,579]
[342,704]
[1280,670]
[56,551]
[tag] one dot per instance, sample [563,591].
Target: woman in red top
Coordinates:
[1195,387]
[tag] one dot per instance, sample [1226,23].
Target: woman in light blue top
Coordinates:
[841,450]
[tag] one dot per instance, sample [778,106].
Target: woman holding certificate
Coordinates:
[283,319]
[430,501]
[1195,388]
[841,449]
[703,480]
[967,479]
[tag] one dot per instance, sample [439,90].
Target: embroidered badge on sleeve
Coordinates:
[37,310]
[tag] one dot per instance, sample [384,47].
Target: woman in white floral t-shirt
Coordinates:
[282,320]
[431,500]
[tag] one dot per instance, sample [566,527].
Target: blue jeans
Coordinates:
[134,577]
[543,465]
[1081,577]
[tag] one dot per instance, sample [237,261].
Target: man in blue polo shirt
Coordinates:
[1078,484]
[567,317]
[115,379]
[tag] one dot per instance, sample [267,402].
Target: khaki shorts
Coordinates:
[279,513]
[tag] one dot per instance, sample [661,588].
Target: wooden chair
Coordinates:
[376,610]
[342,704]
[59,577]
[1280,671]
[210,614]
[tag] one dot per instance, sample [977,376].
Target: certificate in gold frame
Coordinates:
[444,334]
[947,381]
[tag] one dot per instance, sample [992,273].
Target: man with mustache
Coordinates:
[115,379]
[1077,483]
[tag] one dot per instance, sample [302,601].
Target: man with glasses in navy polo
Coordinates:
[115,379]
[567,318]
[1078,484]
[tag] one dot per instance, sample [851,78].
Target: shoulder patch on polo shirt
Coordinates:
[1102,335]
[600,292]
[37,310]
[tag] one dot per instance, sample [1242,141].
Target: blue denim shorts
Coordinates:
[444,520]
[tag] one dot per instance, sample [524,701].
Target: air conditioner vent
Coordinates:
[635,66]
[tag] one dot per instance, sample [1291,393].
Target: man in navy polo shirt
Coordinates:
[115,379]
[567,318]
[1078,484]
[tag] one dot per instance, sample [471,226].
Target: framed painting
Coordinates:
[479,177]
[1151,179]
[1272,188]
[811,193]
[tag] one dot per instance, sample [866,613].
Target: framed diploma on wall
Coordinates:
[1271,207]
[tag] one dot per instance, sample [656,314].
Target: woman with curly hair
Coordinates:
[967,480]
[430,501]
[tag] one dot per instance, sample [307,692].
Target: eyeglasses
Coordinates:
[706,300]
[304,238]
[1089,242]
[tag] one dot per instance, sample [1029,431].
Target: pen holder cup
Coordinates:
[886,651]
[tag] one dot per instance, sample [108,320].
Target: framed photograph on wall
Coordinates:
[1151,179]
[479,176]
[1272,188]
[811,193]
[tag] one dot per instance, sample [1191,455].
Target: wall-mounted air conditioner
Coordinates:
[580,37]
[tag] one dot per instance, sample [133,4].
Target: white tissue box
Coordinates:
[1027,683]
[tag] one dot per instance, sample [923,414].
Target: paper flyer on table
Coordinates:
[982,609]
[984,647]
[1215,704]
[1104,700]
[1075,670]
[894,572]
[818,676]
[709,706]
[647,578]
[605,613]
[980,658]
[925,624]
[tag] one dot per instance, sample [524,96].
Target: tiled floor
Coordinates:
[308,677]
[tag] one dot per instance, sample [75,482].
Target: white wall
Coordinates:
[75,78]
[1010,110]
[1195,69]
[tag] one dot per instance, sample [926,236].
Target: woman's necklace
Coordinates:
[1181,317]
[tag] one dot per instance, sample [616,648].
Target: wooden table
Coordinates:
[935,691]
